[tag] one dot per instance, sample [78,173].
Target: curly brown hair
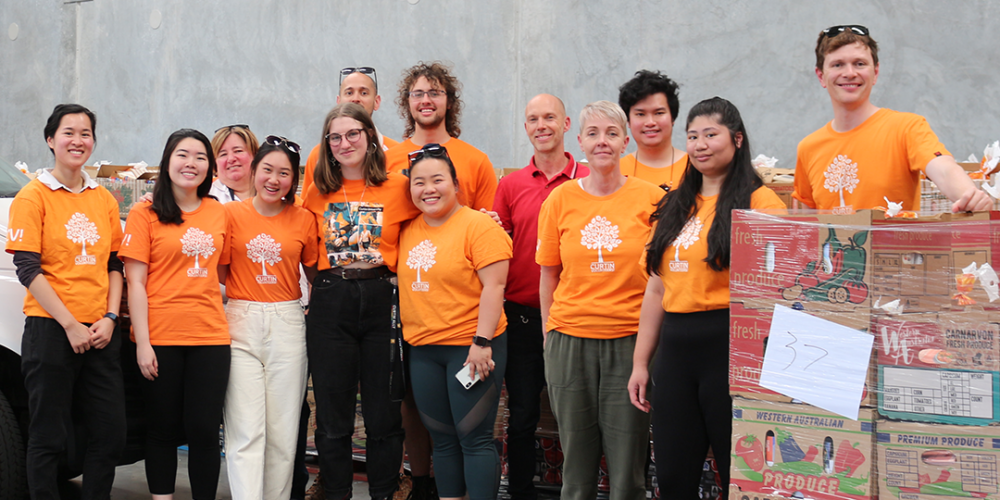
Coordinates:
[438,74]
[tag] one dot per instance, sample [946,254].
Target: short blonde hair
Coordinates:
[244,133]
[605,109]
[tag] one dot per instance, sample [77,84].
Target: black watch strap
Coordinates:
[112,316]
[481,341]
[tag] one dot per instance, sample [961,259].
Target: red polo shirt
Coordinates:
[518,200]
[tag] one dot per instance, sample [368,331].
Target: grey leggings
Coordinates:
[460,420]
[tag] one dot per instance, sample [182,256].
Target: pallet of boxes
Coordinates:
[864,360]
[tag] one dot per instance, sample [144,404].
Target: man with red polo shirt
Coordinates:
[518,200]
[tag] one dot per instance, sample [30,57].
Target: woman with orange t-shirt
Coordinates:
[687,300]
[358,209]
[591,234]
[268,238]
[451,305]
[172,249]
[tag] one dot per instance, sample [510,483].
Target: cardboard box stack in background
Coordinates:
[912,284]
[125,190]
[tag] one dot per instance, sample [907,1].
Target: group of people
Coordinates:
[432,285]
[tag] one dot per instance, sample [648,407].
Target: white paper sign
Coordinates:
[816,361]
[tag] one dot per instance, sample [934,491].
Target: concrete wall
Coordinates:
[273,64]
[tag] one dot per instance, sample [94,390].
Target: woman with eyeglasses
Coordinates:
[172,249]
[591,235]
[358,210]
[235,147]
[268,238]
[452,272]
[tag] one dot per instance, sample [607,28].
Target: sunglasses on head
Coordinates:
[833,31]
[230,127]
[364,70]
[432,150]
[276,140]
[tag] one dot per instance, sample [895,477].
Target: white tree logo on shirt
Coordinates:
[600,234]
[421,257]
[265,250]
[841,175]
[690,233]
[79,229]
[197,243]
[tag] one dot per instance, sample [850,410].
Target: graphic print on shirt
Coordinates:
[197,243]
[80,230]
[262,248]
[600,234]
[421,257]
[689,234]
[353,233]
[841,175]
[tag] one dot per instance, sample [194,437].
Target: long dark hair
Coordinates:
[680,204]
[293,160]
[164,205]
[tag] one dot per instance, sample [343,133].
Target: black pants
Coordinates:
[525,379]
[184,403]
[62,384]
[691,404]
[300,474]
[348,330]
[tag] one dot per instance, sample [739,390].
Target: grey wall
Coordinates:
[272,64]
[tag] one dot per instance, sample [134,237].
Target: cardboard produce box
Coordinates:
[937,462]
[941,367]
[799,451]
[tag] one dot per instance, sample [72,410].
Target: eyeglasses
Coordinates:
[364,70]
[230,127]
[432,150]
[433,94]
[276,140]
[352,136]
[833,31]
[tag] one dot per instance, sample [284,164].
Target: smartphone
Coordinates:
[464,379]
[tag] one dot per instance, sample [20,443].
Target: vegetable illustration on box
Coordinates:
[837,278]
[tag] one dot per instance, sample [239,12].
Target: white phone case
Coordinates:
[463,377]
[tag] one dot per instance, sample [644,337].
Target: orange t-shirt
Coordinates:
[75,234]
[265,252]
[598,240]
[689,284]
[438,286]
[477,182]
[669,177]
[307,179]
[367,228]
[882,157]
[182,281]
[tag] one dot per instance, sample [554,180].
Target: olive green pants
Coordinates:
[588,390]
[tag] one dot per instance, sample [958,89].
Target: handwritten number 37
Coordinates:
[795,353]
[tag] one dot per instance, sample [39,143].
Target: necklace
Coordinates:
[357,214]
[666,187]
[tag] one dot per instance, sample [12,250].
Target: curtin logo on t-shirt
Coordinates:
[80,230]
[421,257]
[265,250]
[841,175]
[197,243]
[600,234]
[689,234]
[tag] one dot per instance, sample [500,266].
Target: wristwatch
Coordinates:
[113,317]
[481,341]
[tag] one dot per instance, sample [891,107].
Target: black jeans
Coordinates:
[62,384]
[691,393]
[347,335]
[184,403]
[525,379]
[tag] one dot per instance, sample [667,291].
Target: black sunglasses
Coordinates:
[275,140]
[432,150]
[364,70]
[833,31]
[230,127]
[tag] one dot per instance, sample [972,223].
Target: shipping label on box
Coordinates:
[937,462]
[799,451]
[818,263]
[938,368]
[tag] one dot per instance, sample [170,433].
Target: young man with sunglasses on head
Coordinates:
[360,86]
[429,102]
[518,201]
[867,154]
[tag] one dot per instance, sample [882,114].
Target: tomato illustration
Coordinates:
[750,448]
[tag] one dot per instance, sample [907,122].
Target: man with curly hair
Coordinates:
[868,154]
[650,101]
[430,104]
